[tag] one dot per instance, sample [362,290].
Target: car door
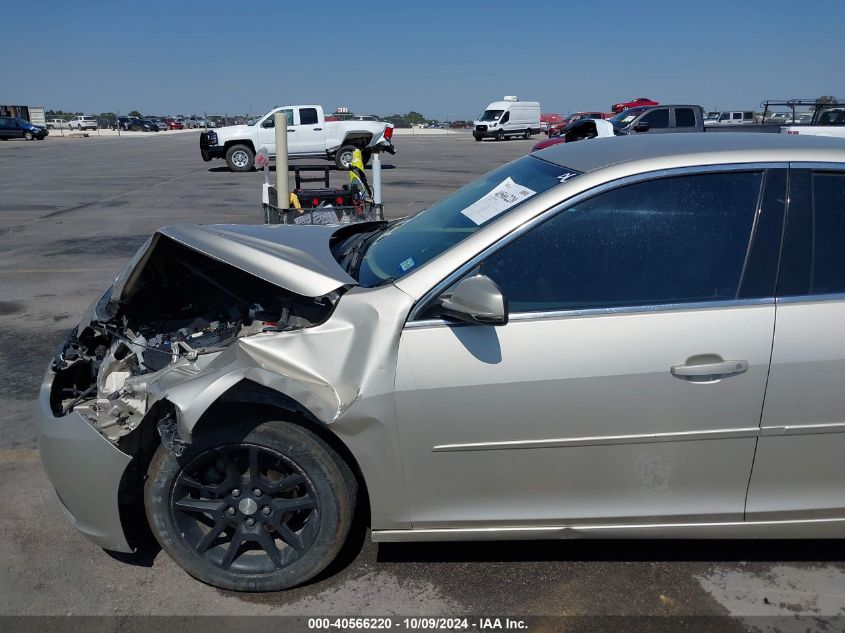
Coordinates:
[310,133]
[627,386]
[267,133]
[799,469]
[657,121]
[5,129]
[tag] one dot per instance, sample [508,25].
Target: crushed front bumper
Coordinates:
[85,469]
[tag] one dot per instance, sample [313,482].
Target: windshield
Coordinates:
[491,115]
[410,244]
[626,116]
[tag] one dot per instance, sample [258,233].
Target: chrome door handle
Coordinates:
[714,370]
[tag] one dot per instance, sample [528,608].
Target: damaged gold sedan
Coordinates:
[625,338]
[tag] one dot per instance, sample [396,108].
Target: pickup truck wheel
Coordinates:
[240,158]
[500,135]
[343,158]
[260,505]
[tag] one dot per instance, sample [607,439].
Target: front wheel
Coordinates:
[500,135]
[240,158]
[260,507]
[344,156]
[29,136]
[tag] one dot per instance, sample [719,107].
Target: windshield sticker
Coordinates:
[505,195]
[407,264]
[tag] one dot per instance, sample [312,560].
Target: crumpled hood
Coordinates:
[294,257]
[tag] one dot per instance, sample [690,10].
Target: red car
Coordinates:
[641,101]
[556,127]
[173,124]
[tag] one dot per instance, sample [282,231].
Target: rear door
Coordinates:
[309,132]
[799,468]
[684,120]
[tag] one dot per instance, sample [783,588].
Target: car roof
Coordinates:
[693,149]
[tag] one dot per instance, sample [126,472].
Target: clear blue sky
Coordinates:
[439,58]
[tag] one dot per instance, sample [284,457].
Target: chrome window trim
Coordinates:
[832,296]
[589,312]
[817,165]
[439,288]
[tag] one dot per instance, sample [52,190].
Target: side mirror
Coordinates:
[642,126]
[476,300]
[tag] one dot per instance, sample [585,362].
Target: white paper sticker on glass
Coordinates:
[505,195]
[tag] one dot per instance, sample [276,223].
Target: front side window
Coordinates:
[813,261]
[673,240]
[407,245]
[270,121]
[656,119]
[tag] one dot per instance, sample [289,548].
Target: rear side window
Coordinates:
[737,116]
[673,240]
[656,119]
[814,249]
[684,117]
[308,116]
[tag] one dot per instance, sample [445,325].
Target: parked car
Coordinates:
[634,103]
[57,124]
[15,127]
[83,123]
[143,125]
[555,127]
[160,123]
[309,136]
[827,120]
[507,118]
[738,117]
[261,383]
[711,118]
[123,122]
[579,130]
[659,120]
[174,124]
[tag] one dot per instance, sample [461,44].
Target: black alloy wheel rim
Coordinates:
[245,509]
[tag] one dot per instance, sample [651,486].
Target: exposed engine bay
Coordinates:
[177,306]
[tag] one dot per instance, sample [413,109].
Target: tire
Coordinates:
[240,158]
[210,490]
[476,137]
[500,135]
[29,136]
[527,135]
[340,158]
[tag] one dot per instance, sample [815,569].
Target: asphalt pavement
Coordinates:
[73,210]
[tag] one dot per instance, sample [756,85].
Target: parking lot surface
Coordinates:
[72,212]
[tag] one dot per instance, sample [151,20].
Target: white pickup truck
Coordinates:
[828,120]
[309,136]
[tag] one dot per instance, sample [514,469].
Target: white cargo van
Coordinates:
[510,117]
